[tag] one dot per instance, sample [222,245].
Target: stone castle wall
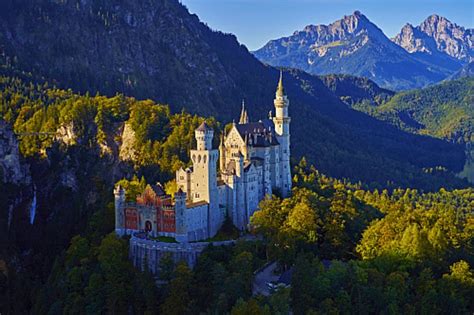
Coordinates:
[151,252]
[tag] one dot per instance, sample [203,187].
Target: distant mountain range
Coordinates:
[416,57]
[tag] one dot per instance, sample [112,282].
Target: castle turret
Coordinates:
[119,193]
[282,130]
[204,135]
[180,215]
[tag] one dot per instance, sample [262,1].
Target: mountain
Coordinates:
[466,71]
[158,50]
[356,90]
[356,46]
[436,37]
[444,110]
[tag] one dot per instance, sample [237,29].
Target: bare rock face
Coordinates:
[12,169]
[414,40]
[438,34]
[127,148]
[66,134]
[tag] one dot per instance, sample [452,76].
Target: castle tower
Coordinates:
[180,208]
[204,182]
[119,194]
[282,130]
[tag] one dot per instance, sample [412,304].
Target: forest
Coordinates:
[389,253]
[396,250]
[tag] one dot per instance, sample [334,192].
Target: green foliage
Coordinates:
[322,214]
[133,187]
[223,275]
[444,110]
[416,248]
[385,285]
[433,226]
[157,147]
[94,276]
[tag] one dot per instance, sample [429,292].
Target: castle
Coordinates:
[254,161]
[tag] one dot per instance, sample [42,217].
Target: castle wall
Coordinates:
[197,218]
[250,196]
[152,252]
[183,181]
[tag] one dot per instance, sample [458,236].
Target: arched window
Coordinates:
[204,158]
[199,158]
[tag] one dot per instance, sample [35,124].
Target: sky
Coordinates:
[255,22]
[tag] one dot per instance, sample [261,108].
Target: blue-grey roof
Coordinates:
[259,134]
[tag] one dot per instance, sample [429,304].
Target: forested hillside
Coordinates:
[158,50]
[444,111]
[358,251]
[349,249]
[87,144]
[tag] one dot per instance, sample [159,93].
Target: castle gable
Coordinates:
[234,137]
[154,195]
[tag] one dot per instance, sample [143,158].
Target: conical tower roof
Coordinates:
[203,127]
[280,90]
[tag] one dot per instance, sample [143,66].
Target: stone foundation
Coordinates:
[142,250]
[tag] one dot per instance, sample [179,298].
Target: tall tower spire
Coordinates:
[280,90]
[244,118]
[282,131]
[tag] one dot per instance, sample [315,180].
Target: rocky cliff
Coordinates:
[12,167]
[438,40]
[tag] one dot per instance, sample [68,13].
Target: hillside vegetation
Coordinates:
[445,110]
[350,249]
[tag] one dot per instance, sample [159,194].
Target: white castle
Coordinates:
[254,161]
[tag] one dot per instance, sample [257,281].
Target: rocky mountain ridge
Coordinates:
[353,45]
[436,36]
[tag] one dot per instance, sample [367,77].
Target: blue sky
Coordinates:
[254,22]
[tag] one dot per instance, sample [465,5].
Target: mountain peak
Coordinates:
[358,14]
[437,34]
